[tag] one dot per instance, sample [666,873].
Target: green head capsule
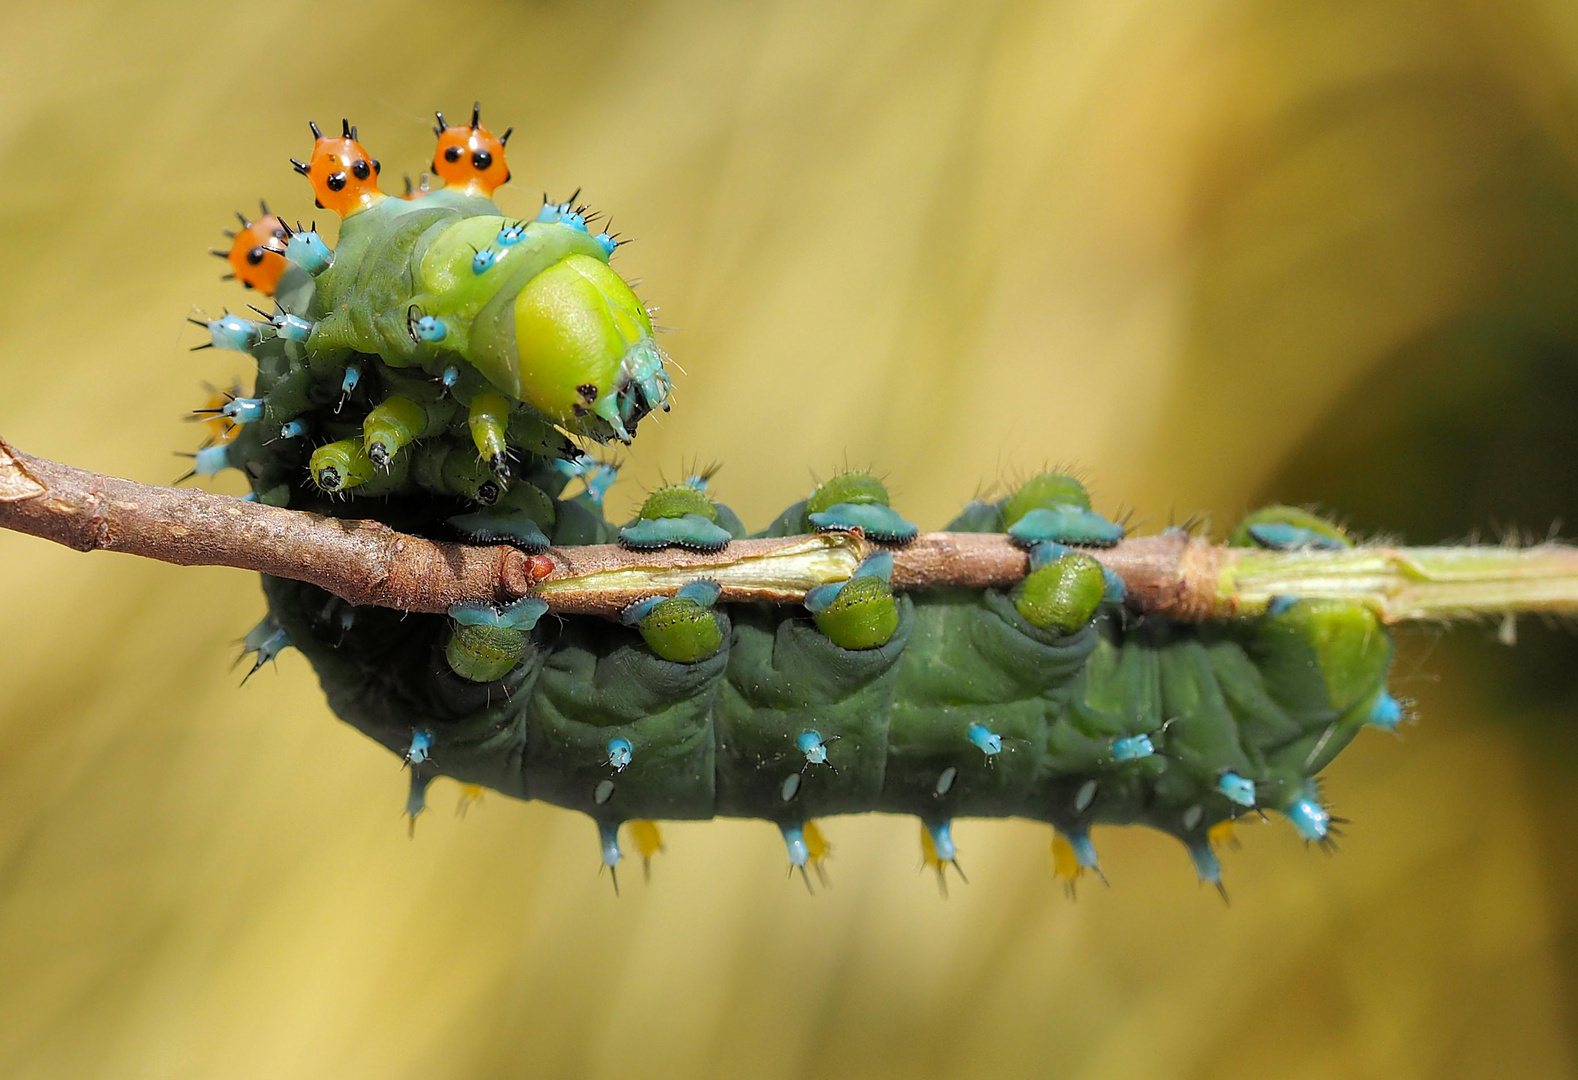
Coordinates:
[576,325]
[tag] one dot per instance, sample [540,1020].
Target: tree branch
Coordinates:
[365,562]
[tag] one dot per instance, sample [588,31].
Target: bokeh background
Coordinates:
[1213,252]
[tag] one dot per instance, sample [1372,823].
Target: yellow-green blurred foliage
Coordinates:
[1214,252]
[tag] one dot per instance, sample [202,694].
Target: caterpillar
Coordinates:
[436,370]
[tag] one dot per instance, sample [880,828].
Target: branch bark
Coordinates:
[365,562]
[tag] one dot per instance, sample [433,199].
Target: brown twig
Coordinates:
[368,563]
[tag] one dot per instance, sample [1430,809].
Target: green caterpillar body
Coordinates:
[428,372]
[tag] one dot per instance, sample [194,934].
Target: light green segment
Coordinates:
[1402,584]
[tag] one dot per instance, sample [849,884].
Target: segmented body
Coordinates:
[428,372]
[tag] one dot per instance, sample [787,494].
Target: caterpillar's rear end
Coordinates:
[435,370]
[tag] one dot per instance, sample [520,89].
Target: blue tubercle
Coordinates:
[211,460]
[608,843]
[811,744]
[985,740]
[1386,713]
[1280,605]
[1065,525]
[1238,789]
[703,591]
[563,214]
[242,410]
[635,614]
[1114,589]
[794,840]
[878,564]
[430,328]
[512,234]
[482,260]
[307,250]
[607,243]
[1206,864]
[942,840]
[291,327]
[692,532]
[293,430]
[421,747]
[521,615]
[598,480]
[267,639]
[1312,820]
[511,527]
[416,799]
[1084,850]
[1282,536]
[1132,748]
[619,753]
[1046,552]
[882,524]
[232,332]
[353,375]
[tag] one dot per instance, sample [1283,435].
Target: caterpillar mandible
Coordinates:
[434,371]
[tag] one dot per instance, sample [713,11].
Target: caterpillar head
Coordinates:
[469,157]
[344,176]
[257,251]
[598,372]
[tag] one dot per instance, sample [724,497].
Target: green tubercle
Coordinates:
[681,630]
[1063,594]
[485,653]
[1287,528]
[862,616]
[677,500]
[1045,492]
[857,488]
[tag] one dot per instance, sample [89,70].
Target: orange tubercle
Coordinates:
[469,157]
[256,254]
[344,176]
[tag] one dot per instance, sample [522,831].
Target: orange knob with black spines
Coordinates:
[469,157]
[344,176]
[257,251]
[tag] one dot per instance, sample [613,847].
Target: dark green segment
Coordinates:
[601,682]
[719,736]
[785,678]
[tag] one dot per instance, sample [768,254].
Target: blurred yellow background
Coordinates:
[1213,253]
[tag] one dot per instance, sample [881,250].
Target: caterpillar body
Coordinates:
[430,371]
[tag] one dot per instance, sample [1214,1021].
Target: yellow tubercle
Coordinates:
[647,839]
[817,849]
[1065,864]
[469,794]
